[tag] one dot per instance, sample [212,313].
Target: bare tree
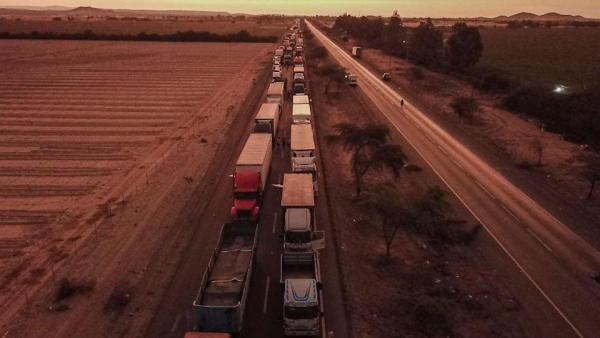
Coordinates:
[369,148]
[383,207]
[334,74]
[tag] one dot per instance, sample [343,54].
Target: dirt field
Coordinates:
[545,57]
[97,138]
[101,26]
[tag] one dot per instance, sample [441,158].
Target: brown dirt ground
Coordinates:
[380,297]
[112,233]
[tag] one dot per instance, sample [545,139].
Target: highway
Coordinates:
[556,262]
[264,308]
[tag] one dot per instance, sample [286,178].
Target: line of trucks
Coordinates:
[219,307]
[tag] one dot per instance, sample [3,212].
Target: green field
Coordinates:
[545,57]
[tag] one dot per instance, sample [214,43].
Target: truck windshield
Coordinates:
[245,195]
[307,312]
[298,237]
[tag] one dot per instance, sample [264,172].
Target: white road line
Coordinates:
[266,301]
[457,163]
[488,229]
[275,222]
[485,189]
[539,240]
[176,323]
[510,213]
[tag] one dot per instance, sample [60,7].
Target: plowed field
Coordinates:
[83,124]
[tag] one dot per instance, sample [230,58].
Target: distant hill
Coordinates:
[548,16]
[93,11]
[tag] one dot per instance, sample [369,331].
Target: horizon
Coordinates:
[406,8]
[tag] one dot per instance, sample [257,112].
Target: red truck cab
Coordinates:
[246,195]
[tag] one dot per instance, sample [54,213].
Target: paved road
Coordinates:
[263,317]
[557,262]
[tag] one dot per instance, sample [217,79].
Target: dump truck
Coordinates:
[250,176]
[267,118]
[357,51]
[275,92]
[301,113]
[298,206]
[302,307]
[221,300]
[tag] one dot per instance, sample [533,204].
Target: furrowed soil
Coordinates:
[382,297]
[101,146]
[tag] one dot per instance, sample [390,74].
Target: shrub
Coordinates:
[493,82]
[465,107]
[119,299]
[68,288]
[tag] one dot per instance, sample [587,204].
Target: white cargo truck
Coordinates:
[298,204]
[275,92]
[302,148]
[302,307]
[301,99]
[301,113]
[267,118]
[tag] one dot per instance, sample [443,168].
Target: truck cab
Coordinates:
[351,79]
[299,88]
[302,310]
[297,229]
[246,195]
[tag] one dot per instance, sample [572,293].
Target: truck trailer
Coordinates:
[302,149]
[302,307]
[298,204]
[267,118]
[275,92]
[301,113]
[250,176]
[357,51]
[221,300]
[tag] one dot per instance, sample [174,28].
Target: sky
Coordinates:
[406,8]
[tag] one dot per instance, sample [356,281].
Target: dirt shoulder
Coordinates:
[458,285]
[129,258]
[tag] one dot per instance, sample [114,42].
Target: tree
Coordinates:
[369,148]
[383,207]
[464,46]
[426,43]
[591,170]
[317,52]
[334,73]
[431,210]
[465,107]
[394,35]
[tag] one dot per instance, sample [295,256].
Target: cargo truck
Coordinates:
[298,204]
[302,307]
[267,118]
[300,99]
[250,177]
[357,51]
[221,300]
[302,149]
[298,69]
[275,92]
[301,113]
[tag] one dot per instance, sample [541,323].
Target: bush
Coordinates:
[465,107]
[68,288]
[118,299]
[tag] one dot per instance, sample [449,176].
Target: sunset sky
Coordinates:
[436,8]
